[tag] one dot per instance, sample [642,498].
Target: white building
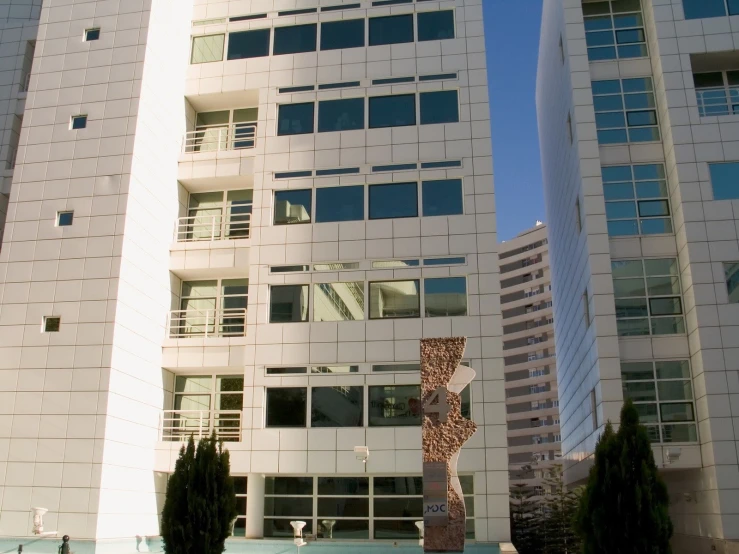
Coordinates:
[532,403]
[242,216]
[638,127]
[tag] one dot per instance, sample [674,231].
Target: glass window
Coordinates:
[445,296]
[286,499]
[439,107]
[207,49]
[52,324]
[648,297]
[292,206]
[334,369]
[636,200]
[286,407]
[338,301]
[614,29]
[394,406]
[211,308]
[205,402]
[340,203]
[240,486]
[295,39]
[248,44]
[337,406]
[394,299]
[340,115]
[219,215]
[732,281]
[342,34]
[392,111]
[443,197]
[624,111]
[716,91]
[725,180]
[64,219]
[79,121]
[393,200]
[435,25]
[396,367]
[295,119]
[288,303]
[92,34]
[699,9]
[393,29]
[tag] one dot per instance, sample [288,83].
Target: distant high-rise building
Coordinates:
[638,106]
[532,404]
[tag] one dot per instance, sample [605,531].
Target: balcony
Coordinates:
[716,101]
[204,324]
[178,425]
[212,227]
[220,138]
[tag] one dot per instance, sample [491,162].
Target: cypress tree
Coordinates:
[200,505]
[624,509]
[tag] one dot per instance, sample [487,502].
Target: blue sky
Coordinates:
[512,36]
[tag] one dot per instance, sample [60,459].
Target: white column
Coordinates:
[255,506]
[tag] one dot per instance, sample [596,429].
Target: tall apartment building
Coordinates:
[242,217]
[532,404]
[638,120]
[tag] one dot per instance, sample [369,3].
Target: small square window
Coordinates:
[392,111]
[342,34]
[248,44]
[288,303]
[79,121]
[64,219]
[393,200]
[292,206]
[286,407]
[435,25]
[52,324]
[295,39]
[732,281]
[439,107]
[442,197]
[394,29]
[445,296]
[295,119]
[92,34]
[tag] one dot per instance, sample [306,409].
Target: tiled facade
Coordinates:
[532,403]
[644,242]
[226,267]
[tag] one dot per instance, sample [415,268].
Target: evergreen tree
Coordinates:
[200,505]
[624,509]
[525,520]
[559,508]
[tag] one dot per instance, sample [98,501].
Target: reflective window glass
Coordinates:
[445,296]
[286,407]
[394,299]
[725,180]
[288,303]
[340,115]
[699,9]
[435,25]
[443,197]
[292,206]
[392,111]
[340,203]
[295,39]
[394,29]
[248,44]
[732,281]
[295,119]
[439,107]
[338,301]
[394,405]
[393,200]
[342,34]
[337,406]
[207,49]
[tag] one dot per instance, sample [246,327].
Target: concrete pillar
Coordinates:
[255,506]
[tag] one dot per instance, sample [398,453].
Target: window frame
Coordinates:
[311,217]
[724,97]
[390,184]
[420,15]
[727,12]
[414,32]
[75,118]
[626,127]
[317,114]
[731,273]
[615,45]
[223,51]
[722,197]
[419,115]
[86,35]
[59,216]
[314,112]
[417,280]
[278,29]
[232,226]
[227,43]
[308,303]
[365,33]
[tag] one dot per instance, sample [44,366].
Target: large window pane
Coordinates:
[392,111]
[680,433]
[292,206]
[637,371]
[293,507]
[288,303]
[675,390]
[393,200]
[342,34]
[343,507]
[295,119]
[394,405]
[725,180]
[446,296]
[396,529]
[281,528]
[248,44]
[337,406]
[340,115]
[403,486]
[295,39]
[435,25]
[286,407]
[338,301]
[639,391]
[699,9]
[732,281]
[343,486]
[677,369]
[442,197]
[340,204]
[394,29]
[682,411]
[346,529]
[394,299]
[439,107]
[399,507]
[289,486]
[207,49]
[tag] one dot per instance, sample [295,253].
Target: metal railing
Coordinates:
[212,227]
[178,425]
[184,324]
[25,82]
[718,101]
[219,138]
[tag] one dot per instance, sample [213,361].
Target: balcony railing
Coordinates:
[185,324]
[219,138]
[212,227]
[178,425]
[718,101]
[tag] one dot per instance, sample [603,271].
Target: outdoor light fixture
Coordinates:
[298,533]
[38,522]
[328,524]
[362,453]
[672,455]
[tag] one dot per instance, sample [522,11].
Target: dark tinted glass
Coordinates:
[392,111]
[399,507]
[439,107]
[395,529]
[289,486]
[295,39]
[292,206]
[343,486]
[698,9]
[435,25]
[340,204]
[288,507]
[337,406]
[295,119]
[79,122]
[340,115]
[92,34]
[394,29]
[286,407]
[343,507]
[394,405]
[248,44]
[65,218]
[342,34]
[281,528]
[725,180]
[393,200]
[391,486]
[442,197]
[288,303]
